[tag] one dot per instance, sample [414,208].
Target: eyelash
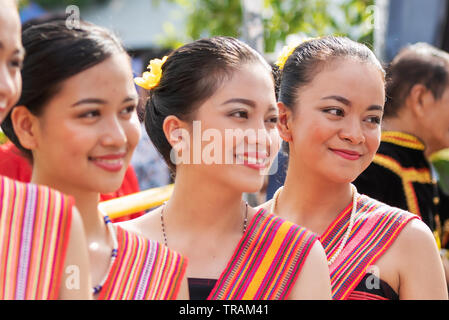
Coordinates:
[17,64]
[377,120]
[130,109]
[273,120]
[90,114]
[341,113]
[245,114]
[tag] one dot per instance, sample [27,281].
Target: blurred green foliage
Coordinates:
[281,18]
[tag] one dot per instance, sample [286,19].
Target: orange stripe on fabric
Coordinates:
[284,261]
[266,262]
[253,247]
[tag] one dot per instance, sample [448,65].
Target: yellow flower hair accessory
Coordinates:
[285,53]
[150,79]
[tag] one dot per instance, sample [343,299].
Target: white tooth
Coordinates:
[109,161]
[252,160]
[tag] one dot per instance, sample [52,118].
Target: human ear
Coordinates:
[25,126]
[284,123]
[175,131]
[421,98]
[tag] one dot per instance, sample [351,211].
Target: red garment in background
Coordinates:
[13,165]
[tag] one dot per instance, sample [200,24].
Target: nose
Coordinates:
[352,131]
[114,134]
[261,137]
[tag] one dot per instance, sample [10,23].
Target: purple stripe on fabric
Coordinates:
[26,241]
[271,272]
[261,252]
[148,266]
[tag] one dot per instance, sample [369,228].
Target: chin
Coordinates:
[248,184]
[105,188]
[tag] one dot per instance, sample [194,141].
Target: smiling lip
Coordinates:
[110,162]
[253,160]
[347,154]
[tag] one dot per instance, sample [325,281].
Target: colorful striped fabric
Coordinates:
[375,228]
[34,228]
[143,270]
[266,262]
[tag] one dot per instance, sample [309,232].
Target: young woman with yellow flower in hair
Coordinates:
[76,120]
[332,93]
[212,88]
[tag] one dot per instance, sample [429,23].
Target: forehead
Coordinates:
[109,80]
[350,78]
[251,80]
[10,29]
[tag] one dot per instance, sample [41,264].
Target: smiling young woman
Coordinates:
[221,90]
[331,104]
[76,120]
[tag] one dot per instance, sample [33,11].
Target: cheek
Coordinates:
[133,133]
[63,143]
[372,142]
[17,89]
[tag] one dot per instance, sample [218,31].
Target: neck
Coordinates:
[311,201]
[86,203]
[208,208]
[402,123]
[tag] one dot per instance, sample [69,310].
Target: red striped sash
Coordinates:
[34,228]
[267,261]
[375,228]
[143,270]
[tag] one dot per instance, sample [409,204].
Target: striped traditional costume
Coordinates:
[143,270]
[34,228]
[376,227]
[266,262]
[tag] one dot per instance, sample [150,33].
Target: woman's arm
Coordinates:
[421,273]
[313,282]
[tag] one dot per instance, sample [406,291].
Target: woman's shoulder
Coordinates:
[368,207]
[413,235]
[147,225]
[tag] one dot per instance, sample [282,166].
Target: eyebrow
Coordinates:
[349,104]
[101,101]
[247,102]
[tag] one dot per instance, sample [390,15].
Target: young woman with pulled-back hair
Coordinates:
[76,120]
[331,100]
[42,240]
[208,88]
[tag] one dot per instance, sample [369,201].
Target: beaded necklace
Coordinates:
[107,221]
[245,221]
[351,220]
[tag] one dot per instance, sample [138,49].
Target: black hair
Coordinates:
[313,55]
[419,63]
[55,53]
[190,75]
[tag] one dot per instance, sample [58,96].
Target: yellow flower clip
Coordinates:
[285,53]
[151,79]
